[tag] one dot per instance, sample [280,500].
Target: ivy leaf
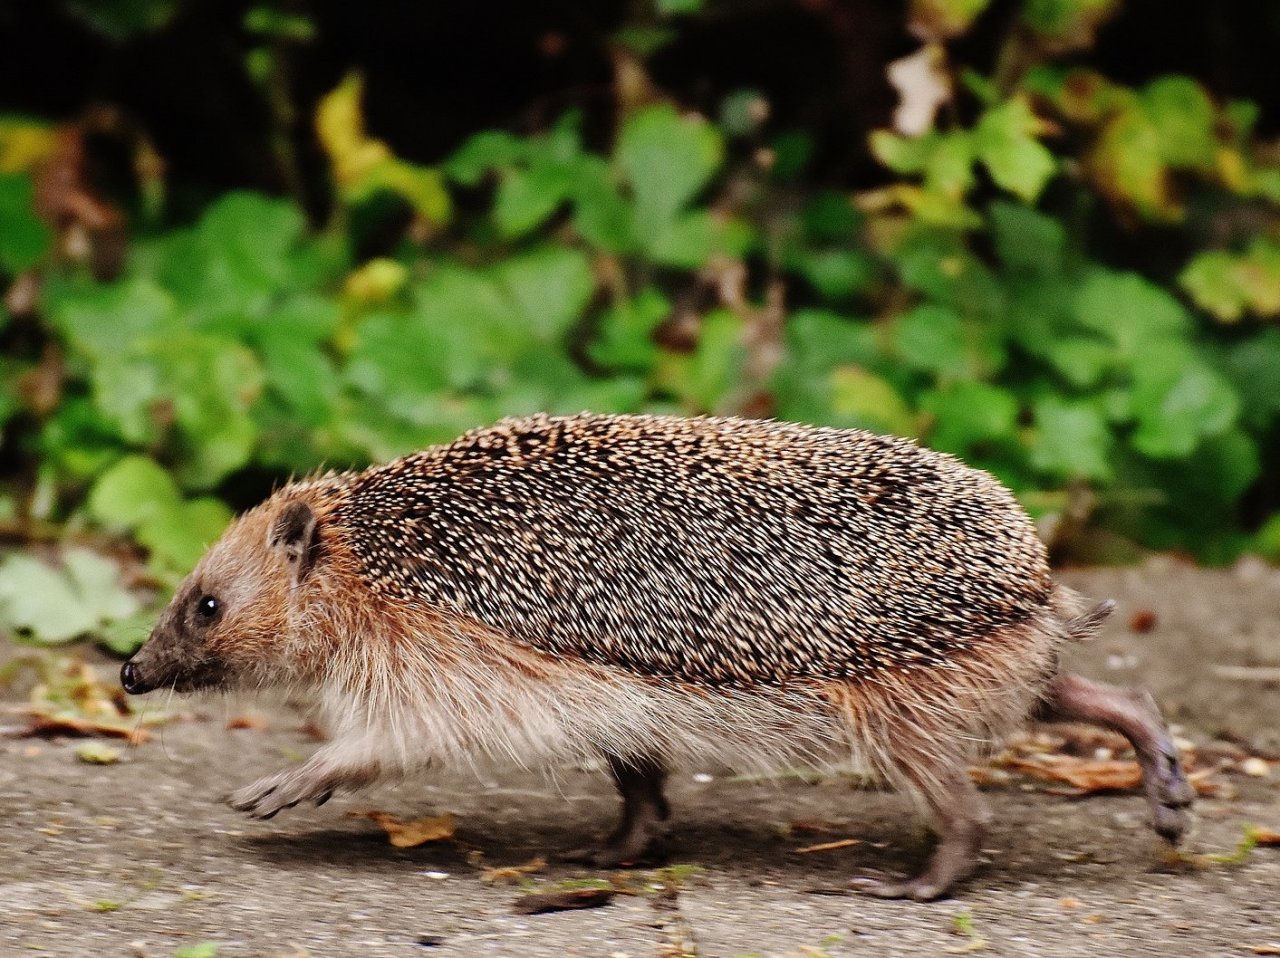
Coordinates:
[1005,142]
[1071,440]
[667,159]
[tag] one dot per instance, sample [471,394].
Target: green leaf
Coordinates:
[704,379]
[932,338]
[1070,440]
[625,339]
[56,606]
[669,8]
[1026,240]
[177,534]
[968,413]
[38,600]
[667,159]
[1183,118]
[863,399]
[602,215]
[526,197]
[200,949]
[122,19]
[101,319]
[1254,368]
[549,288]
[24,238]
[97,580]
[835,273]
[1178,402]
[485,151]
[1229,285]
[1082,360]
[1004,140]
[1129,310]
[131,491]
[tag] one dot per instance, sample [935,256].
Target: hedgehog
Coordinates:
[655,591]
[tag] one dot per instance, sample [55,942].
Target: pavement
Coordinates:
[140,858]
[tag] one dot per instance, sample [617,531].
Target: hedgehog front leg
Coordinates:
[331,768]
[961,817]
[644,808]
[1134,714]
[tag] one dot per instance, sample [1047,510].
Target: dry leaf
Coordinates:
[1087,775]
[414,833]
[512,873]
[1265,836]
[1142,621]
[540,902]
[829,846]
[96,753]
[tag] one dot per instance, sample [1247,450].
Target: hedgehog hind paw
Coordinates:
[638,838]
[622,854]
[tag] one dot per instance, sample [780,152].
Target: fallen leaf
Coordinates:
[829,846]
[1142,621]
[96,753]
[1265,949]
[512,873]
[540,902]
[69,698]
[1087,775]
[414,833]
[1265,836]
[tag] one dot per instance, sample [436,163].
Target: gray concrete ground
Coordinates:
[139,858]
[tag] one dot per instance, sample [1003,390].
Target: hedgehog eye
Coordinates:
[207,608]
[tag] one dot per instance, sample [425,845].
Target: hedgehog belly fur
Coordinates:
[451,692]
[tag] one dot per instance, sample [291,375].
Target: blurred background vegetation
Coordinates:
[241,240]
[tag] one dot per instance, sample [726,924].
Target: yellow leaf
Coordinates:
[414,833]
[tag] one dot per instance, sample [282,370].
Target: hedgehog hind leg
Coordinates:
[1134,714]
[638,836]
[961,817]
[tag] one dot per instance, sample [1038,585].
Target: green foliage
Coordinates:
[678,265]
[51,605]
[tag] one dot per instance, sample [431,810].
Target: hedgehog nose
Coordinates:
[131,680]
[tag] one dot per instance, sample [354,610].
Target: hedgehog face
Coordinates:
[227,621]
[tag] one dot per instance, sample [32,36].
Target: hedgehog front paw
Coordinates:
[274,793]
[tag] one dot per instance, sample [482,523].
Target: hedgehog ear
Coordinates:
[294,534]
